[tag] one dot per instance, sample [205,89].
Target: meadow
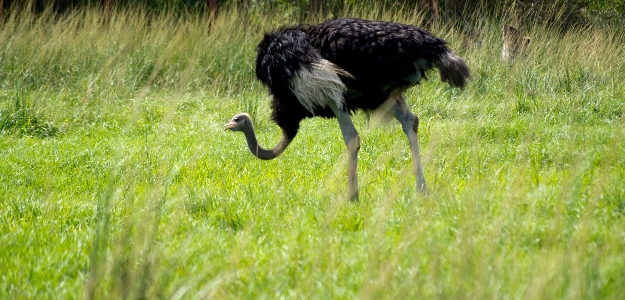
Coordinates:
[117,180]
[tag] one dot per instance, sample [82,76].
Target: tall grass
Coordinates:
[138,192]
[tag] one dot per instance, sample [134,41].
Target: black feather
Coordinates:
[382,57]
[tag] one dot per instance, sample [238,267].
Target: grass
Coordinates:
[118,181]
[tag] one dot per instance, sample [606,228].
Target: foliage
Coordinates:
[140,193]
[573,13]
[21,119]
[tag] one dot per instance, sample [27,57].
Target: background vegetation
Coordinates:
[573,12]
[117,181]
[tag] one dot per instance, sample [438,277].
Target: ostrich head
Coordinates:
[240,122]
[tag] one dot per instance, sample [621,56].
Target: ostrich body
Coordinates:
[339,66]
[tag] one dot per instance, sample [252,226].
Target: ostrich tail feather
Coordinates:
[453,69]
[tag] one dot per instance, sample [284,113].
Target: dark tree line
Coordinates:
[574,11]
[62,6]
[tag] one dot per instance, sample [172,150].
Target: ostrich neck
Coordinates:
[265,154]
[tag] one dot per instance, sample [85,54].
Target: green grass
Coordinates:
[117,180]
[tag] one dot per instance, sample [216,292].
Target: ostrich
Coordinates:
[342,65]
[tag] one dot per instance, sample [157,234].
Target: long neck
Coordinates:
[258,151]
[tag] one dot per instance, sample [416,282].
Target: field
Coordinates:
[118,181]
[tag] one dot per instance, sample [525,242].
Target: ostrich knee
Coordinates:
[415,124]
[353,144]
[410,124]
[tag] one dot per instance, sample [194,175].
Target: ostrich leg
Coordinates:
[352,141]
[410,125]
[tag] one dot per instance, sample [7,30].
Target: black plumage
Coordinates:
[342,65]
[380,55]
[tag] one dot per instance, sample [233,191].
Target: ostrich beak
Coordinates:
[229,125]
